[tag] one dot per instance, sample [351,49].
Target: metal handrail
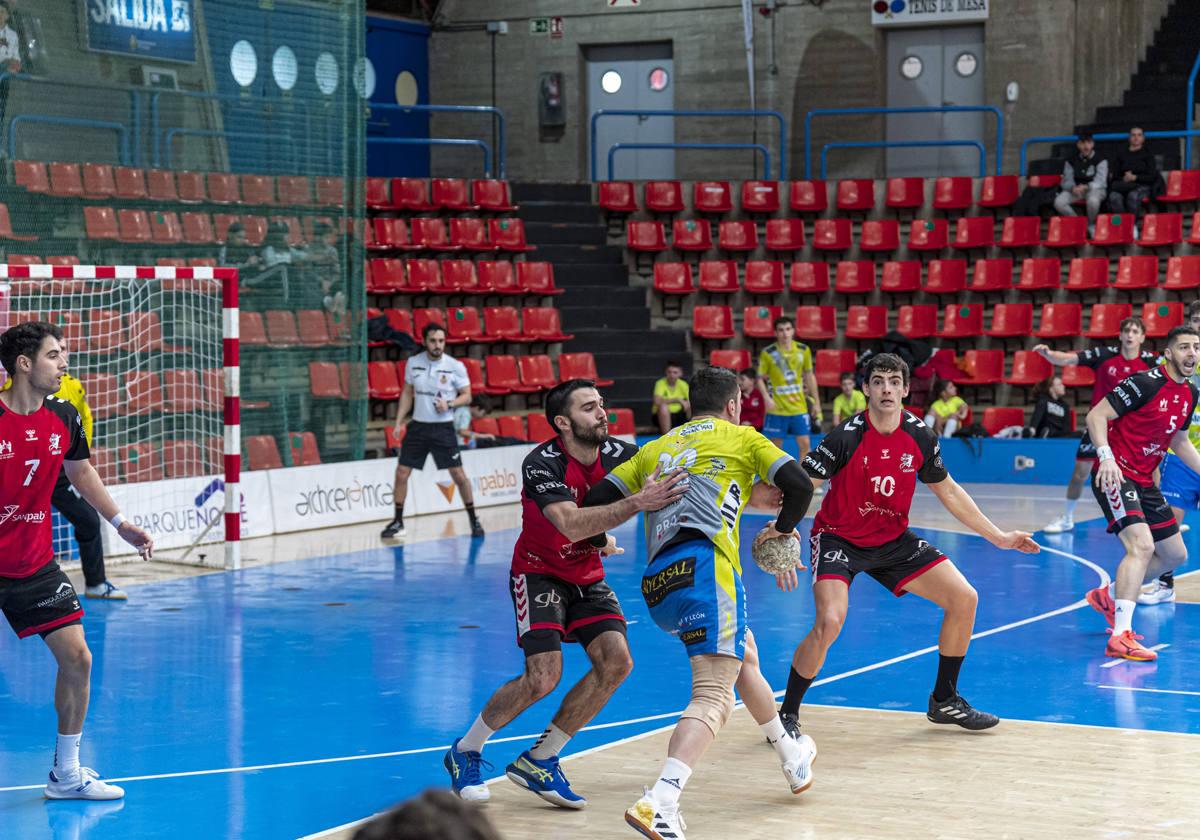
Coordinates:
[441,141]
[216,97]
[1191,111]
[171,134]
[647,112]
[20,119]
[616,147]
[905,144]
[134,100]
[1108,135]
[942,109]
[497,118]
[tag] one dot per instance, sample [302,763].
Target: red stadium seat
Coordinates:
[400,320]
[1040,273]
[1066,232]
[999,191]
[816,323]
[485,425]
[737,236]
[807,196]
[429,234]
[537,278]
[580,366]
[1021,232]
[385,277]
[856,194]
[759,321]
[165,228]
[1060,320]
[331,191]
[1160,230]
[760,196]
[764,277]
[901,276]
[982,367]
[1087,273]
[1194,236]
[451,194]
[503,323]
[463,326]
[98,181]
[312,327]
[470,233]
[258,189]
[946,277]
[1105,321]
[423,275]
[1011,320]
[281,329]
[1028,368]
[22,259]
[992,276]
[962,320]
[497,276]
[785,234]
[663,196]
[198,229]
[712,197]
[905,193]
[502,376]
[103,394]
[223,188]
[1136,272]
[918,321]
[829,365]
[492,195]
[618,197]
[537,373]
[192,186]
[809,278]
[141,462]
[295,190]
[542,323]
[879,235]
[250,328]
[304,449]
[6,231]
[1160,317]
[928,234]
[620,421]
[691,235]
[719,277]
[382,381]
[133,226]
[262,453]
[832,235]
[379,194]
[855,277]
[513,425]
[99,223]
[952,193]
[143,393]
[974,232]
[1078,376]
[256,229]
[735,360]
[31,175]
[645,236]
[66,181]
[1113,230]
[1183,186]
[714,322]
[673,278]
[411,194]
[458,277]
[106,332]
[995,418]
[866,322]
[424,316]
[540,429]
[474,374]
[1183,272]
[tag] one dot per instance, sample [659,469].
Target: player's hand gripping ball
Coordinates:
[775,554]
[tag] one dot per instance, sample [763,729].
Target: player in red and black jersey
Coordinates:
[872,463]
[41,435]
[1112,363]
[559,592]
[1133,428]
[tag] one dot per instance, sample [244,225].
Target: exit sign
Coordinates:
[539,26]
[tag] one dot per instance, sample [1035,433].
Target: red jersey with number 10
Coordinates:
[1151,407]
[32,449]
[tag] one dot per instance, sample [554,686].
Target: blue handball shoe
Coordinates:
[546,779]
[466,773]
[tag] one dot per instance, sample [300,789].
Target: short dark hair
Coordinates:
[749,373]
[1084,136]
[559,397]
[886,363]
[236,227]
[846,374]
[1192,309]
[482,401]
[710,388]
[434,815]
[782,319]
[24,340]
[673,363]
[431,327]
[1136,321]
[1182,329]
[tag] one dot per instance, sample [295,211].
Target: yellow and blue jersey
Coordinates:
[784,372]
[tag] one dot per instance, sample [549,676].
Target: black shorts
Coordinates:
[1133,503]
[894,564]
[41,603]
[423,438]
[1086,450]
[550,610]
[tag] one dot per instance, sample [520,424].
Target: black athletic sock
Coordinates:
[794,695]
[400,512]
[947,677]
[471,513]
[1168,579]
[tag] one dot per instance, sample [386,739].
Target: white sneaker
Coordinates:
[1060,525]
[799,773]
[1156,593]
[83,783]
[107,591]
[658,822]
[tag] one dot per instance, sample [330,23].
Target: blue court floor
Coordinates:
[287,699]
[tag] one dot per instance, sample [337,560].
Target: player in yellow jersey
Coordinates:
[80,514]
[786,368]
[693,583]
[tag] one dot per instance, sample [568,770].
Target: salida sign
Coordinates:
[145,28]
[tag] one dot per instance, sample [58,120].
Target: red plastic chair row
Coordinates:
[432,234]
[414,194]
[142,393]
[283,328]
[429,276]
[102,331]
[499,323]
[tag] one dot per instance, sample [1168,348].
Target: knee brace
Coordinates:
[713,678]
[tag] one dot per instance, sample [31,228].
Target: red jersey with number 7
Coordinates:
[32,450]
[1151,407]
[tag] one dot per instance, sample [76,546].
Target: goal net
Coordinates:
[155,350]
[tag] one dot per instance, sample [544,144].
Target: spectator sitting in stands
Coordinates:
[481,406]
[948,411]
[1134,177]
[10,44]
[754,404]
[671,405]
[1051,415]
[235,252]
[323,255]
[850,401]
[1085,176]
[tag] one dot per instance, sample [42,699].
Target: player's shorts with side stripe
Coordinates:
[550,609]
[696,595]
[41,603]
[1131,503]
[894,564]
[1086,450]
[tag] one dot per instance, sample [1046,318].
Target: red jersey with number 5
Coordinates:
[32,450]
[1151,407]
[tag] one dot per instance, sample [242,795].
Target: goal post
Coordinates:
[155,349]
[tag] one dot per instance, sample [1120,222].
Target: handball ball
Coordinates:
[777,555]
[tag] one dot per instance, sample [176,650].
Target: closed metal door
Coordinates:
[632,77]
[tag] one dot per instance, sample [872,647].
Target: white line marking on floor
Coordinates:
[1154,690]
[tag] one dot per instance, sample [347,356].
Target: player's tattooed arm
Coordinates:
[963,508]
[1056,357]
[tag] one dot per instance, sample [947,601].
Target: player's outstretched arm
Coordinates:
[1056,357]
[605,507]
[963,508]
[87,481]
[1108,474]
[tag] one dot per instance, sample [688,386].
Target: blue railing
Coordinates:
[944,109]
[135,109]
[441,141]
[648,112]
[1191,111]
[616,147]
[22,119]
[497,118]
[906,144]
[284,139]
[1109,135]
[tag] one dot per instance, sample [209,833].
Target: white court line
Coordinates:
[1155,690]
[1117,662]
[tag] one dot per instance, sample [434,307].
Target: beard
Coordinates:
[592,435]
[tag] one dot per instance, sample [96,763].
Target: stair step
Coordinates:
[537,191]
[636,342]
[558,211]
[1132,115]
[580,254]
[565,233]
[583,297]
[599,317]
[595,274]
